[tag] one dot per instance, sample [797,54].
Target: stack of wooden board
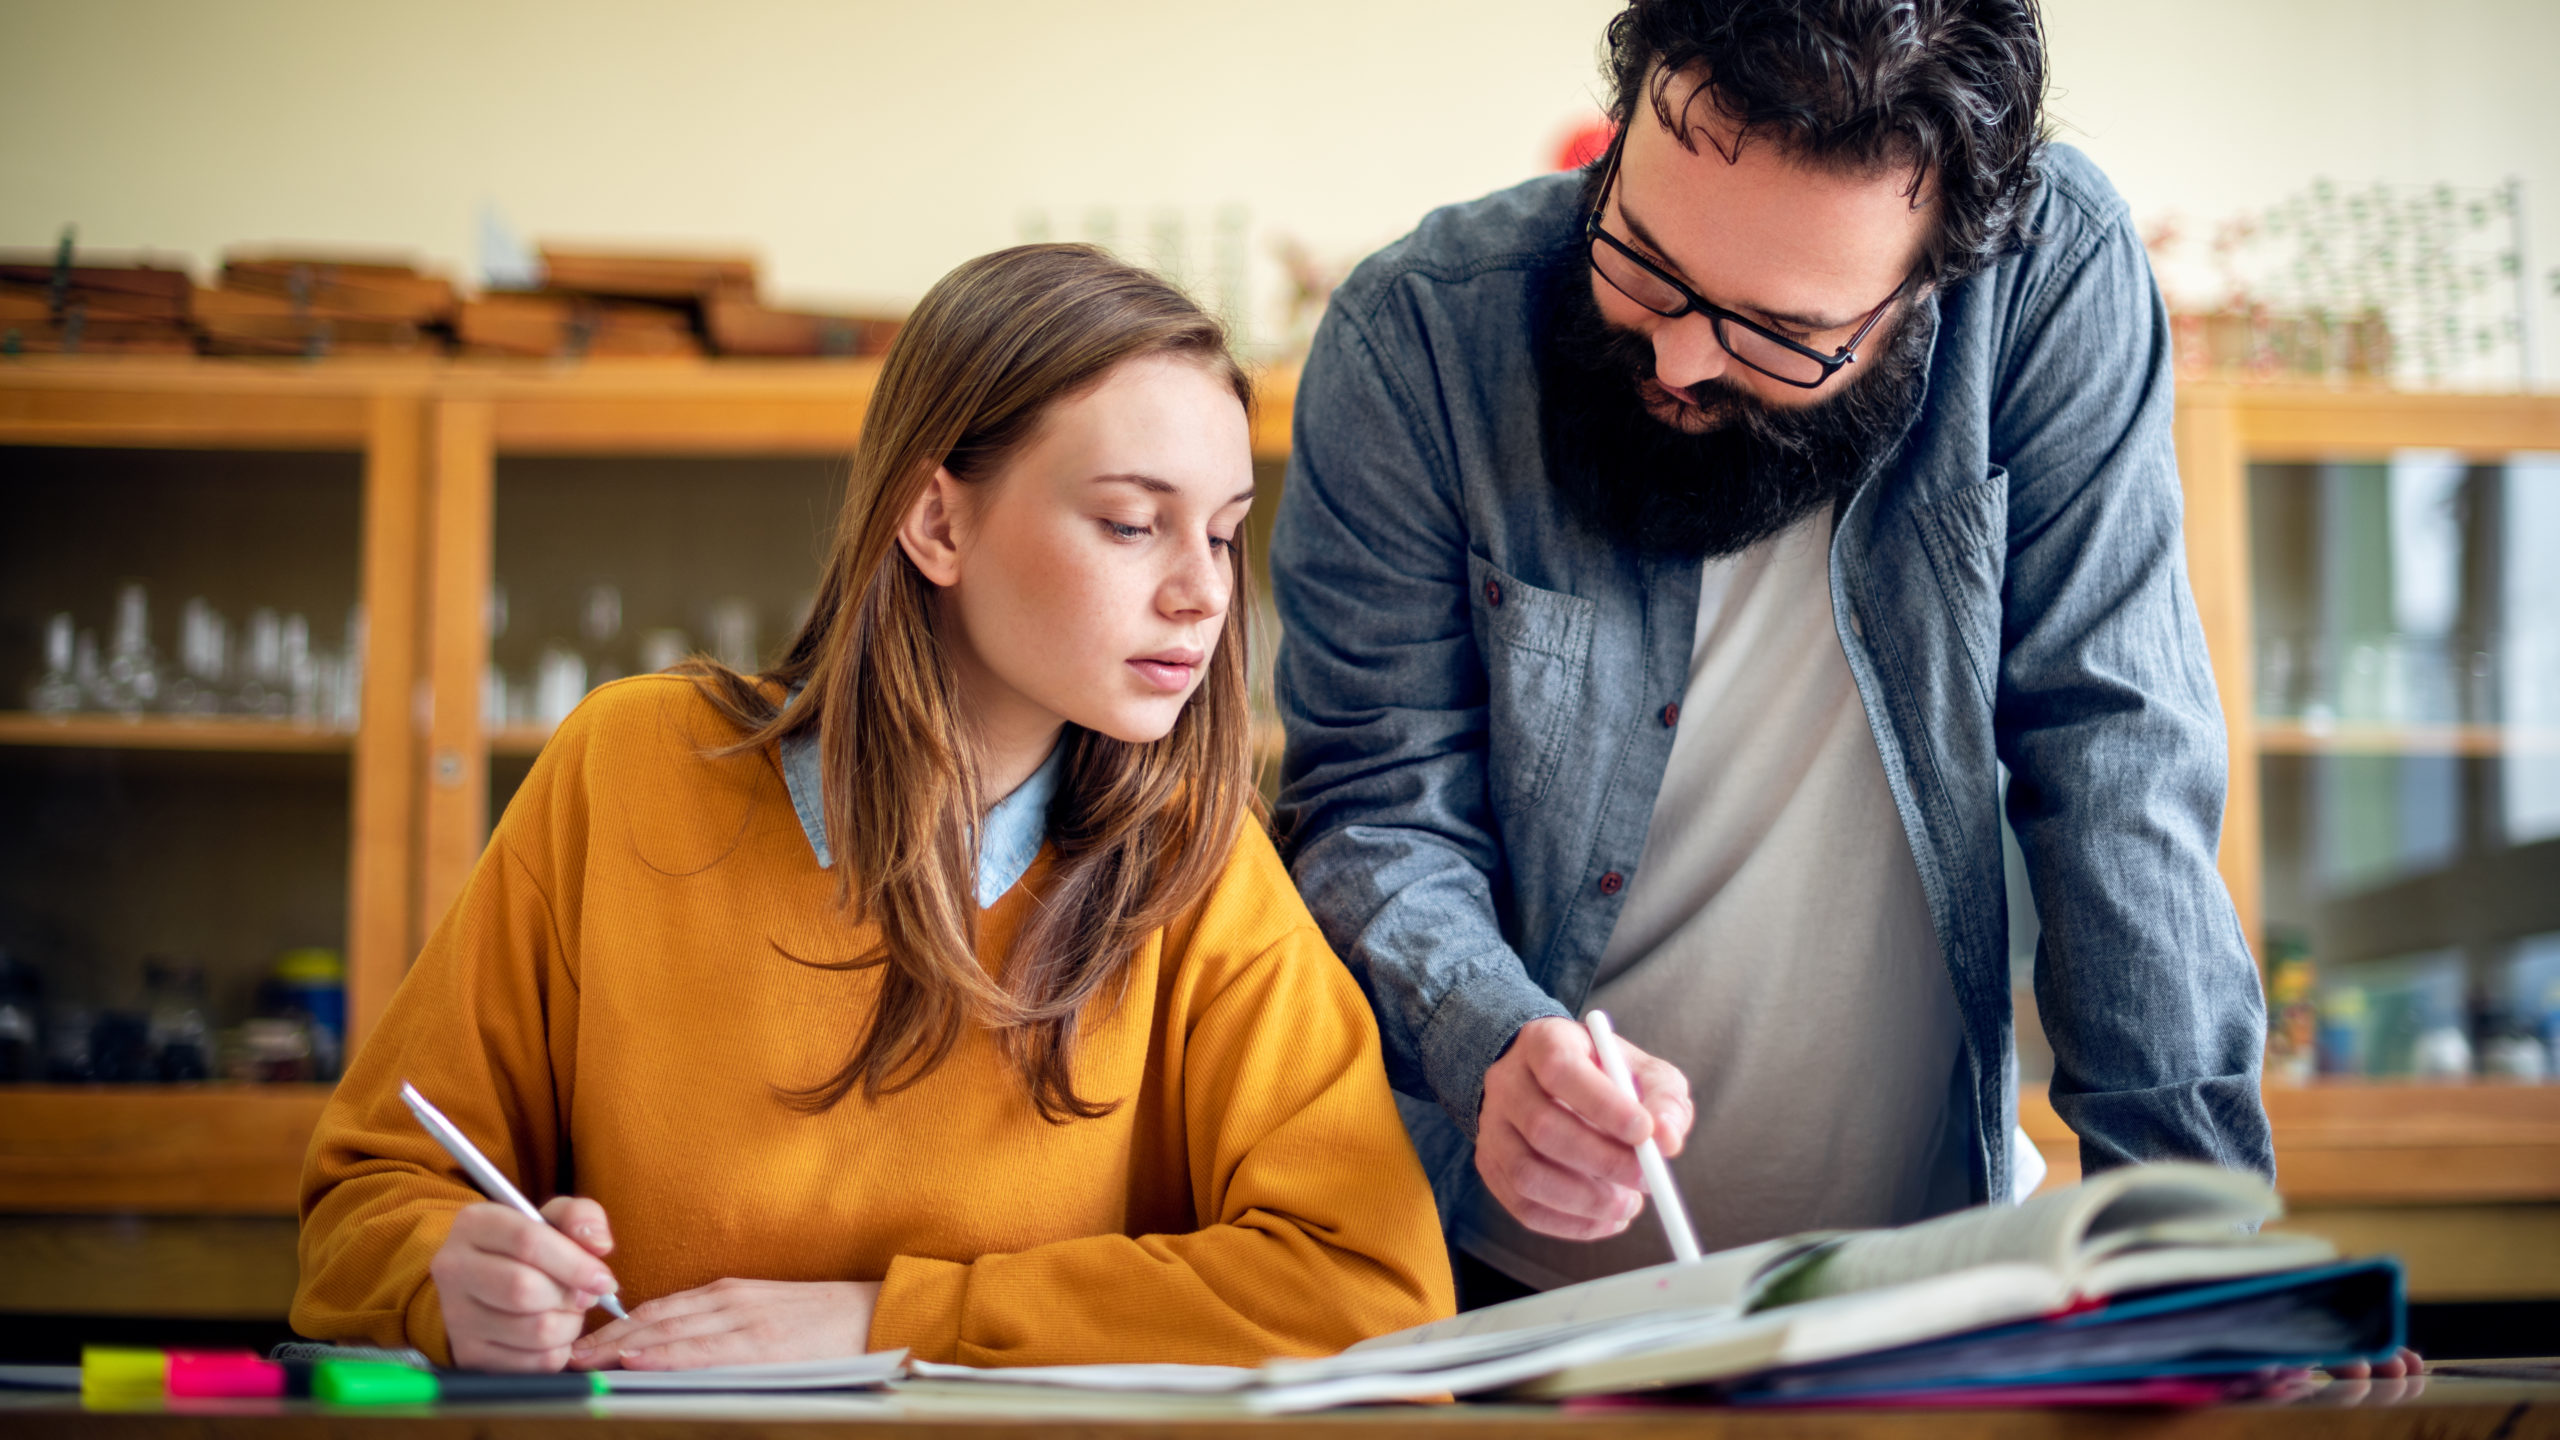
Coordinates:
[283,303]
[609,303]
[316,305]
[59,303]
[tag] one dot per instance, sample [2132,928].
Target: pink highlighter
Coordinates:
[224,1374]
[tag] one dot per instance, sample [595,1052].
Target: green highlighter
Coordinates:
[371,1382]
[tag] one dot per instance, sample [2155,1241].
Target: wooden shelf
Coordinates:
[2309,737]
[171,732]
[215,1149]
[522,741]
[2383,1142]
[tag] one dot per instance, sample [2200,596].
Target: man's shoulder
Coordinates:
[1494,243]
[2074,204]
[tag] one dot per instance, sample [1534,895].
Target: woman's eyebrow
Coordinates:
[1644,236]
[1154,485]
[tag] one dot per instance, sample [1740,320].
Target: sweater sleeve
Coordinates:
[474,1026]
[1318,1228]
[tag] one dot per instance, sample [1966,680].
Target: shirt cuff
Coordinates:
[919,1308]
[1470,1029]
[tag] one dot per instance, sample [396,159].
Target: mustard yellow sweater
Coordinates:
[608,1009]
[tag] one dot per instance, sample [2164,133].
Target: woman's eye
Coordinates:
[1127,532]
[1222,542]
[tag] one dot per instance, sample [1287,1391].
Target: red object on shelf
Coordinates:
[1585,143]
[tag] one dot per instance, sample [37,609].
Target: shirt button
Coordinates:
[1493,593]
[1612,883]
[1670,714]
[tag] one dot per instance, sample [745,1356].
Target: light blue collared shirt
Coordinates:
[1010,841]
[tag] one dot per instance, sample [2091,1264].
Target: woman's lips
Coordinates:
[1169,676]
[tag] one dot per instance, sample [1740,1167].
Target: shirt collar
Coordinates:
[1008,844]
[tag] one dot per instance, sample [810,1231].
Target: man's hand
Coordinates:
[738,1322]
[516,1293]
[1556,1141]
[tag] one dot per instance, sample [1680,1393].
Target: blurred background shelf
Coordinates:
[2302,737]
[164,732]
[212,1149]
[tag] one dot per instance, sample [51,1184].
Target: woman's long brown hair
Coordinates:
[1141,831]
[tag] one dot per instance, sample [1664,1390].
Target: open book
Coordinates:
[1822,1296]
[1790,1307]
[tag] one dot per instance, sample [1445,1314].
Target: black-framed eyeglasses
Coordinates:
[1755,345]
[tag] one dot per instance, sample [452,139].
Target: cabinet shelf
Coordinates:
[212,1149]
[170,732]
[2307,737]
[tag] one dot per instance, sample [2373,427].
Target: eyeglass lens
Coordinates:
[1740,341]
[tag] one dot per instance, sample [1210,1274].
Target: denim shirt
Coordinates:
[1007,844]
[1474,683]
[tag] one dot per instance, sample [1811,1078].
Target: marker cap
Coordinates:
[223,1373]
[369,1382]
[108,1373]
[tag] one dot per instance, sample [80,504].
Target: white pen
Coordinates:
[1657,1171]
[483,1174]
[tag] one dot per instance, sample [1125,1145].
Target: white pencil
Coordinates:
[491,1181]
[1657,1171]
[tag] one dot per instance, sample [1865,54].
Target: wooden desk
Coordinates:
[2443,1408]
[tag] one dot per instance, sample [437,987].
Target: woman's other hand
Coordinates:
[515,1293]
[738,1322]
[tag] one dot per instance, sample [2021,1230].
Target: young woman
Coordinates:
[937,988]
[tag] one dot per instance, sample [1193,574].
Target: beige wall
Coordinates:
[864,147]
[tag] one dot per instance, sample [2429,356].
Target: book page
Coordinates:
[2056,1230]
[1723,1279]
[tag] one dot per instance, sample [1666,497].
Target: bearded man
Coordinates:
[1674,557]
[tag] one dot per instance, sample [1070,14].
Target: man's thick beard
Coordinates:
[1667,492]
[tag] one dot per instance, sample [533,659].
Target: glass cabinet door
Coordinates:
[2406,634]
[607,566]
[185,648]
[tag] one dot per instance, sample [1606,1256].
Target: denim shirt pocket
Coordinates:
[1536,646]
[1966,535]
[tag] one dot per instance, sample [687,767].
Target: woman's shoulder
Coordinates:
[1251,917]
[645,717]
[650,756]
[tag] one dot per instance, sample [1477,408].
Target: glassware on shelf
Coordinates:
[2293,1020]
[203,650]
[733,633]
[120,1048]
[600,623]
[67,1030]
[179,1040]
[559,683]
[662,650]
[349,706]
[58,692]
[130,682]
[311,982]
[269,1050]
[21,997]
[262,689]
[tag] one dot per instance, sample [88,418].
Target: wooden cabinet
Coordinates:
[216,840]
[465,473]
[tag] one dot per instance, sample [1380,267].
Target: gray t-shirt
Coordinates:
[1774,945]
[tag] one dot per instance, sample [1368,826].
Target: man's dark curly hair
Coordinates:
[1951,89]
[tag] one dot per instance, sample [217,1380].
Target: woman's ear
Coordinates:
[930,535]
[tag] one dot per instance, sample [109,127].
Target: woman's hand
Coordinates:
[737,1322]
[516,1293]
